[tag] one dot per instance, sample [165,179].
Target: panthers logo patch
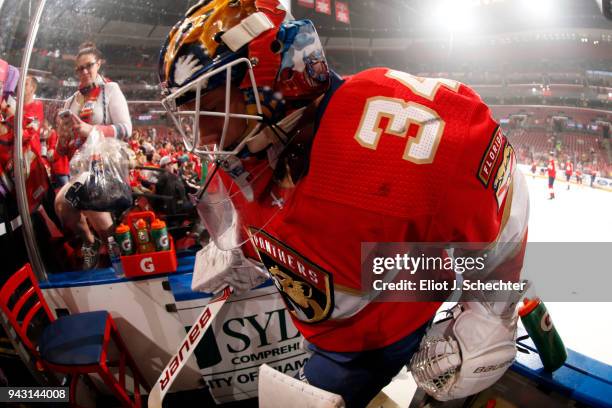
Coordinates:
[305,287]
[489,159]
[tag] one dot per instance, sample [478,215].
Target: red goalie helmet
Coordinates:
[253,44]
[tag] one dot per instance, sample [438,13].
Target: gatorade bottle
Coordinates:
[143,239]
[115,256]
[160,235]
[124,239]
[540,327]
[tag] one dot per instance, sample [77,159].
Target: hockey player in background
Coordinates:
[593,173]
[552,173]
[569,170]
[534,167]
[579,174]
[307,165]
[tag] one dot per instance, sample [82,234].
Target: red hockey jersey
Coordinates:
[552,169]
[396,158]
[37,180]
[60,164]
[33,117]
[569,168]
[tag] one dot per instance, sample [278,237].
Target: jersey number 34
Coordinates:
[401,114]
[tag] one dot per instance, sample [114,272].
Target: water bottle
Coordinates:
[159,232]
[114,252]
[143,239]
[540,327]
[124,239]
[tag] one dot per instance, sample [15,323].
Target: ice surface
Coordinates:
[580,214]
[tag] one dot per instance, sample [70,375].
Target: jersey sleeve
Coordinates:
[120,126]
[487,199]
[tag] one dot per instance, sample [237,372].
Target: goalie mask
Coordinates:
[276,63]
[247,49]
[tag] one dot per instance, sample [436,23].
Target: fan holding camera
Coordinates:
[98,109]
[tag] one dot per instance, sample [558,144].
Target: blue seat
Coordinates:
[74,340]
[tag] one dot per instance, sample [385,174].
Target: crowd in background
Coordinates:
[161,166]
[150,149]
[166,152]
[134,68]
[161,171]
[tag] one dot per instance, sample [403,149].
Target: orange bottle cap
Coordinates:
[122,229]
[158,224]
[528,306]
[141,224]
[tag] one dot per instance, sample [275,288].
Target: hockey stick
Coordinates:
[180,358]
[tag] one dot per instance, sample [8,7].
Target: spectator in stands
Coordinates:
[134,144]
[12,246]
[148,148]
[167,150]
[33,115]
[136,134]
[189,176]
[60,167]
[170,185]
[45,132]
[98,103]
[148,178]
[40,196]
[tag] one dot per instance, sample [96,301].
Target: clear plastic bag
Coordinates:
[99,171]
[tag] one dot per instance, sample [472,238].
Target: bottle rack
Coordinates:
[150,263]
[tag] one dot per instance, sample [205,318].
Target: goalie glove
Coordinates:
[466,353]
[215,269]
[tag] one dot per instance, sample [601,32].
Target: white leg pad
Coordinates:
[277,390]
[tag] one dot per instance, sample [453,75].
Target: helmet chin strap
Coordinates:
[273,138]
[278,133]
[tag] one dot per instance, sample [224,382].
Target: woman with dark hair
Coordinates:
[98,103]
